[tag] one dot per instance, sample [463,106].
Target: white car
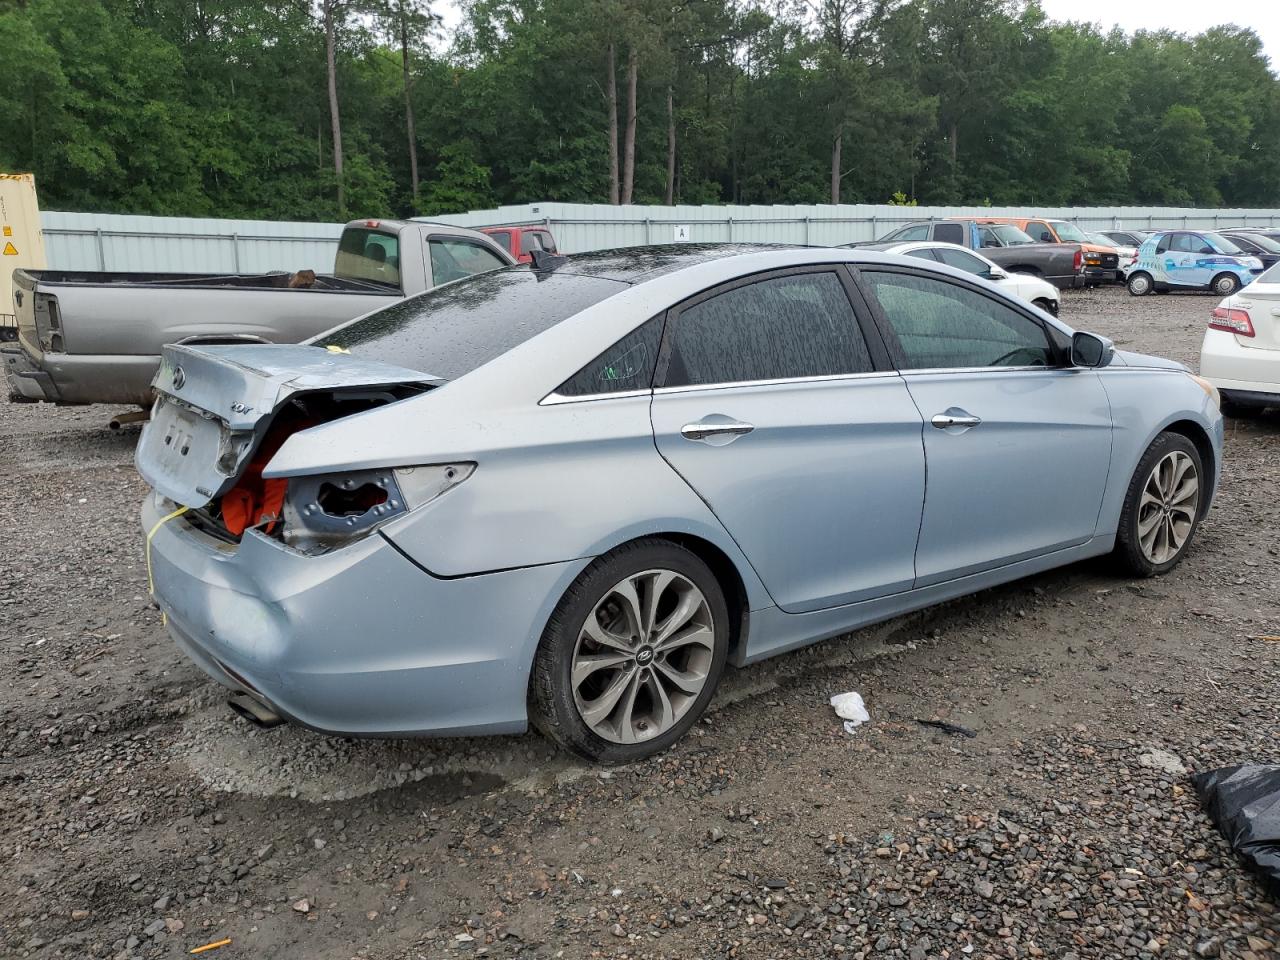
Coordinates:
[1024,286]
[1240,354]
[1126,252]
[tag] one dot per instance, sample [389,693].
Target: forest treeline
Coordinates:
[325,109]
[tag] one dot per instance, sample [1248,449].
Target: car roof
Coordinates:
[637,264]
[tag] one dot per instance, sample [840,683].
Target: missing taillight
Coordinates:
[345,501]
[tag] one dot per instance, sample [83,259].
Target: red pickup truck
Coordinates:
[520,242]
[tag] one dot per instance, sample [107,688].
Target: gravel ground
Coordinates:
[139,818]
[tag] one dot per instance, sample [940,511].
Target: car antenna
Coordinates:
[546,261]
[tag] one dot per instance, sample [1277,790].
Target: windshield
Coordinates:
[1223,245]
[1265,242]
[451,330]
[1008,234]
[1271,276]
[365,254]
[1069,232]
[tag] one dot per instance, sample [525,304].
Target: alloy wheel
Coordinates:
[1167,510]
[643,656]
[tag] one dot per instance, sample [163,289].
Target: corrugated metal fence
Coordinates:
[586,226]
[97,241]
[83,241]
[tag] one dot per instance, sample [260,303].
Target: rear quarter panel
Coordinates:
[553,483]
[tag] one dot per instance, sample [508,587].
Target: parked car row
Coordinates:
[1055,250]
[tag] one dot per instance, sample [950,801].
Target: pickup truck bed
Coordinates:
[87,337]
[112,357]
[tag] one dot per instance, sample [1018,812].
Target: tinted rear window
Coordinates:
[454,329]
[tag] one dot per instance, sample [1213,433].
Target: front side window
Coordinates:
[777,328]
[456,259]
[368,255]
[1069,232]
[627,365]
[1004,235]
[943,325]
[548,243]
[1041,232]
[1185,243]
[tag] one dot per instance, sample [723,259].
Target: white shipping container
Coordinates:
[21,242]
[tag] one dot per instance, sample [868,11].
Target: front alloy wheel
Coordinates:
[632,654]
[1167,512]
[1162,506]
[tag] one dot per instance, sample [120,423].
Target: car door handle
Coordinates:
[955,418]
[705,429]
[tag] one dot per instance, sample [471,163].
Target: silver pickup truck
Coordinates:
[96,337]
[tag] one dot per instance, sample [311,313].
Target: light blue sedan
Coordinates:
[571,494]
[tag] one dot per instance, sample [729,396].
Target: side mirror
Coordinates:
[995,273]
[1091,350]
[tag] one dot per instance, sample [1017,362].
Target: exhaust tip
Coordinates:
[130,416]
[256,712]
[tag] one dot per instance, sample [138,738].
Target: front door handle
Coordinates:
[706,429]
[955,417]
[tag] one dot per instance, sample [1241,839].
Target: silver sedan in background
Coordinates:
[571,494]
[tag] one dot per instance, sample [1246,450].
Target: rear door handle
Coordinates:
[705,429]
[955,417]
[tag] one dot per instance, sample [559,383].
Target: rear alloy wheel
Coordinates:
[1139,284]
[632,655]
[1162,507]
[1225,284]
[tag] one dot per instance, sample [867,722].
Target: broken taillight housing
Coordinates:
[326,511]
[1232,321]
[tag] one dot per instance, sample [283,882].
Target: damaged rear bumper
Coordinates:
[360,641]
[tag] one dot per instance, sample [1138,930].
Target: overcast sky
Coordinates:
[1184,16]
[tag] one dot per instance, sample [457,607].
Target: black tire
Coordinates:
[552,707]
[1128,551]
[1225,284]
[1139,284]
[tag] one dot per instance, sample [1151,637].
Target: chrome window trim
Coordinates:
[731,384]
[1032,368]
[554,398]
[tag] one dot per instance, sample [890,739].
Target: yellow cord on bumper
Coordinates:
[151,585]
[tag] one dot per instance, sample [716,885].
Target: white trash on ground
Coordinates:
[850,708]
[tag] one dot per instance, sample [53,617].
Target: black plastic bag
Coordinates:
[1244,804]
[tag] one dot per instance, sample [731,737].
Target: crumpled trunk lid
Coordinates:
[215,404]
